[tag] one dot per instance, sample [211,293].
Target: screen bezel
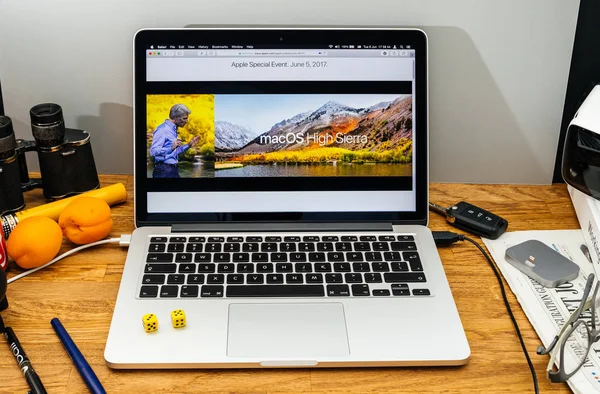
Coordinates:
[273,37]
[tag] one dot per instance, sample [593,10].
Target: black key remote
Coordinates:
[473,219]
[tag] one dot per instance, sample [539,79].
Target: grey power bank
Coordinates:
[542,263]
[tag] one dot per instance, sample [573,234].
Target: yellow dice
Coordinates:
[178,318]
[150,322]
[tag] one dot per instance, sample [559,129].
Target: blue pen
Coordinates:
[86,372]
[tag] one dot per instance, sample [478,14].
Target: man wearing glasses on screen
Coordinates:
[581,328]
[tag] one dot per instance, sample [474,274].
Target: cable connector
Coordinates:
[125,240]
[446,238]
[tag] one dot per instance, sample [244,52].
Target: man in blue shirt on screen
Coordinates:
[166,146]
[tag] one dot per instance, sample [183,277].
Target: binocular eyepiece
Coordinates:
[65,156]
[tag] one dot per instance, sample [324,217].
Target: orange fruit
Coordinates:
[34,242]
[86,220]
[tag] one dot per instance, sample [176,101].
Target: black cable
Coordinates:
[444,238]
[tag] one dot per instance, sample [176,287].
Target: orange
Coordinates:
[86,220]
[34,242]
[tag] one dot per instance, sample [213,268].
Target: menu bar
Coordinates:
[329,46]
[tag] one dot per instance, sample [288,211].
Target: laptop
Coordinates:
[281,203]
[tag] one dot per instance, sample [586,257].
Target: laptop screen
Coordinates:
[280,124]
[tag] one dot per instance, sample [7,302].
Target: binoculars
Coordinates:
[65,157]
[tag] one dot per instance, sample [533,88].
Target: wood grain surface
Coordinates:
[81,290]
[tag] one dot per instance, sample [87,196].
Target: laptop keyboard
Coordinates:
[283,266]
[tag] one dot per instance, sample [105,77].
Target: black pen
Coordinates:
[33,380]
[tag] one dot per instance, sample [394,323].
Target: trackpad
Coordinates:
[287,330]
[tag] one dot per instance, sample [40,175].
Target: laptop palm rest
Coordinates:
[287,330]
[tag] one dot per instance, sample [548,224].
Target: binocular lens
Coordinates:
[47,125]
[6,127]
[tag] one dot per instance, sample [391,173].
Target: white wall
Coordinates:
[498,70]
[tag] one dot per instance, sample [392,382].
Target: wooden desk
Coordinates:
[81,290]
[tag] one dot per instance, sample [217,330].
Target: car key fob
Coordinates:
[473,219]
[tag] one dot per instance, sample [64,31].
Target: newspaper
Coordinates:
[549,308]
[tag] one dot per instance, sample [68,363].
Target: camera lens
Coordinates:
[6,127]
[8,144]
[47,125]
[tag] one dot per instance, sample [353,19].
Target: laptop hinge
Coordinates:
[270,227]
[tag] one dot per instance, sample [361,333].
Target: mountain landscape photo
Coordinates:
[334,134]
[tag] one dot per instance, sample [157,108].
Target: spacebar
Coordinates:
[276,291]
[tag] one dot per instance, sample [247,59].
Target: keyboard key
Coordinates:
[415,265]
[157,248]
[284,267]
[235,239]
[268,247]
[275,278]
[311,238]
[178,239]
[193,248]
[380,246]
[183,257]
[380,267]
[250,247]
[341,267]
[287,247]
[335,256]
[176,279]
[211,291]
[294,278]
[213,247]
[215,278]
[295,257]
[316,257]
[343,246]
[404,277]
[338,291]
[175,247]
[330,238]
[276,291]
[361,267]
[362,246]
[169,291]
[254,239]
[153,279]
[421,292]
[351,238]
[148,291]
[272,239]
[241,257]
[187,268]
[279,257]
[265,267]
[333,278]
[399,286]
[216,239]
[207,268]
[291,239]
[197,239]
[354,256]
[203,258]
[159,258]
[406,238]
[353,278]
[401,292]
[235,278]
[381,292]
[189,291]
[225,268]
[404,246]
[373,256]
[325,247]
[368,238]
[323,267]
[306,247]
[222,257]
[387,238]
[195,279]
[372,277]
[245,268]
[231,247]
[400,266]
[255,279]
[158,239]
[303,267]
[314,278]
[160,268]
[360,290]
[392,256]
[260,257]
